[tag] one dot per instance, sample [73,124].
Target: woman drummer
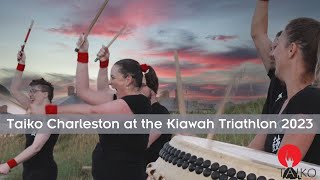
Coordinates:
[297,59]
[37,158]
[115,157]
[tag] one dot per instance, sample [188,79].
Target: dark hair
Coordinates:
[305,32]
[45,87]
[131,67]
[152,80]
[278,34]
[317,69]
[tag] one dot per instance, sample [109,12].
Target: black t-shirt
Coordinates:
[306,101]
[44,158]
[152,153]
[277,92]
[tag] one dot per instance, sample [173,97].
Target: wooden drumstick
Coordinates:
[93,22]
[26,38]
[223,103]
[181,102]
[114,38]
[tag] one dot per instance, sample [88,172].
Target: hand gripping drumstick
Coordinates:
[27,36]
[93,22]
[114,38]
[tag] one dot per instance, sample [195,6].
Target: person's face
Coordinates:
[280,55]
[36,95]
[117,80]
[145,90]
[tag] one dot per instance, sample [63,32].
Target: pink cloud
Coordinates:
[200,62]
[114,17]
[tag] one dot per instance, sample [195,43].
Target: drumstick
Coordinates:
[26,38]
[93,22]
[223,103]
[181,102]
[114,38]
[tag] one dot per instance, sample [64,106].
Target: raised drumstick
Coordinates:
[93,22]
[27,37]
[114,38]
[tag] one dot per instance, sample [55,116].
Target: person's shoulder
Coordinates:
[135,97]
[307,101]
[308,93]
[158,108]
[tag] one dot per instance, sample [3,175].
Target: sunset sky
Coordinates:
[212,38]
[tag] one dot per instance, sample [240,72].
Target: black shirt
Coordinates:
[121,156]
[152,153]
[277,92]
[306,101]
[44,158]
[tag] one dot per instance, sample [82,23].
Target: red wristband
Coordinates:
[51,109]
[20,67]
[83,57]
[12,163]
[104,64]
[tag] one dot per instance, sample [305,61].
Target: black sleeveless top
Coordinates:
[130,146]
[306,101]
[152,153]
[44,158]
[121,156]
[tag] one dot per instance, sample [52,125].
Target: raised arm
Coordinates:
[82,79]
[259,33]
[103,80]
[17,82]
[26,154]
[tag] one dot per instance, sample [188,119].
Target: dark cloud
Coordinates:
[221,37]
[239,53]
[172,39]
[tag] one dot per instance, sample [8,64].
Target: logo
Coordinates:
[290,156]
[279,97]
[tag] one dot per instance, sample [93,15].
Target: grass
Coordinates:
[74,151]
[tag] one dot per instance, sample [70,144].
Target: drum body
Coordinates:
[192,158]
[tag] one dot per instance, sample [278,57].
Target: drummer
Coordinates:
[149,89]
[296,58]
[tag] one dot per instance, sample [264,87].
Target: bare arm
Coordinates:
[154,135]
[259,33]
[103,80]
[82,82]
[258,142]
[16,85]
[29,152]
[85,93]
[302,141]
[39,141]
[114,107]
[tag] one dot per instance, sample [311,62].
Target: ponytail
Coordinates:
[151,77]
[317,69]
